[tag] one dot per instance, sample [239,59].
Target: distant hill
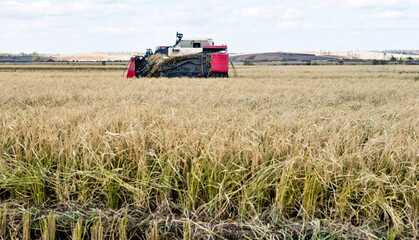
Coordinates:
[15,58]
[281,56]
[42,58]
[306,56]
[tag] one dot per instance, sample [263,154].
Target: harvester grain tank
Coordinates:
[187,58]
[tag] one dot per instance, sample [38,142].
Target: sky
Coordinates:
[76,26]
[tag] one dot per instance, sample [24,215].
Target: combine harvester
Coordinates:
[187,58]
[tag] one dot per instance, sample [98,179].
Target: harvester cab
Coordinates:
[187,58]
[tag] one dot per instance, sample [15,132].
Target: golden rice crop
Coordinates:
[278,152]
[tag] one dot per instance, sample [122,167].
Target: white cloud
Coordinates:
[114,30]
[256,13]
[356,4]
[39,7]
[16,35]
[49,8]
[295,25]
[288,25]
[27,25]
[369,3]
[388,26]
[379,3]
[388,15]
[229,20]
[292,14]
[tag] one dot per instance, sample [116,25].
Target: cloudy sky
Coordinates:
[76,26]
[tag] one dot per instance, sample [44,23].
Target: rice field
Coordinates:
[279,152]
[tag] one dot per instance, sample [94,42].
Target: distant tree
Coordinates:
[409,59]
[248,63]
[393,59]
[35,56]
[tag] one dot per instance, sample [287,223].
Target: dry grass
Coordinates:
[279,152]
